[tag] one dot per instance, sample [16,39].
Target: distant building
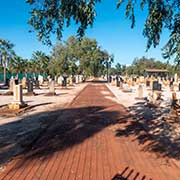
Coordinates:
[157,72]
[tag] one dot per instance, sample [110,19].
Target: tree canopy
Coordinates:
[139,65]
[50,16]
[75,57]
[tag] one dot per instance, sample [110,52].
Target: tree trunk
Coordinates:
[5,74]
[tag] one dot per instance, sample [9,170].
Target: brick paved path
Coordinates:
[83,144]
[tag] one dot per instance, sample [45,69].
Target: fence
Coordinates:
[20,75]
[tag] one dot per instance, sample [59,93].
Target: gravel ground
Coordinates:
[19,132]
[161,125]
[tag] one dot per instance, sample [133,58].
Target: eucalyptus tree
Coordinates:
[6,54]
[77,57]
[50,17]
[91,57]
[72,46]
[59,63]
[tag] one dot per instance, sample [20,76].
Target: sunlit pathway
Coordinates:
[83,143]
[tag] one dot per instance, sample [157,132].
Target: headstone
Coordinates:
[120,85]
[159,87]
[175,85]
[29,86]
[71,81]
[171,83]
[81,78]
[74,79]
[175,78]
[77,79]
[134,79]
[140,91]
[159,79]
[110,79]
[52,87]
[11,84]
[141,79]
[113,82]
[172,88]
[17,98]
[55,78]
[155,86]
[60,80]
[137,81]
[147,83]
[174,96]
[117,81]
[23,82]
[37,83]
[16,80]
[40,79]
[64,82]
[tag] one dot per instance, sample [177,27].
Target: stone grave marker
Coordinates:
[155,86]
[172,88]
[30,87]
[60,80]
[71,81]
[77,79]
[24,82]
[113,82]
[117,81]
[141,79]
[52,88]
[175,78]
[16,80]
[40,79]
[64,82]
[11,84]
[147,83]
[81,78]
[120,85]
[171,83]
[17,98]
[140,92]
[159,86]
[137,81]
[36,82]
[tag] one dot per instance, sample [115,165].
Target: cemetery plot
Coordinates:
[94,133]
[158,115]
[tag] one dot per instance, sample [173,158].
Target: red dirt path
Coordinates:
[83,144]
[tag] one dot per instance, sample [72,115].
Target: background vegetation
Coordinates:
[68,58]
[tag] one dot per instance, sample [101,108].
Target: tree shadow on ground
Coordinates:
[128,174]
[155,134]
[54,131]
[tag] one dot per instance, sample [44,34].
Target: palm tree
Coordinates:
[6,54]
[40,62]
[18,65]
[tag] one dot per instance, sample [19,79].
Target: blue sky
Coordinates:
[111,29]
